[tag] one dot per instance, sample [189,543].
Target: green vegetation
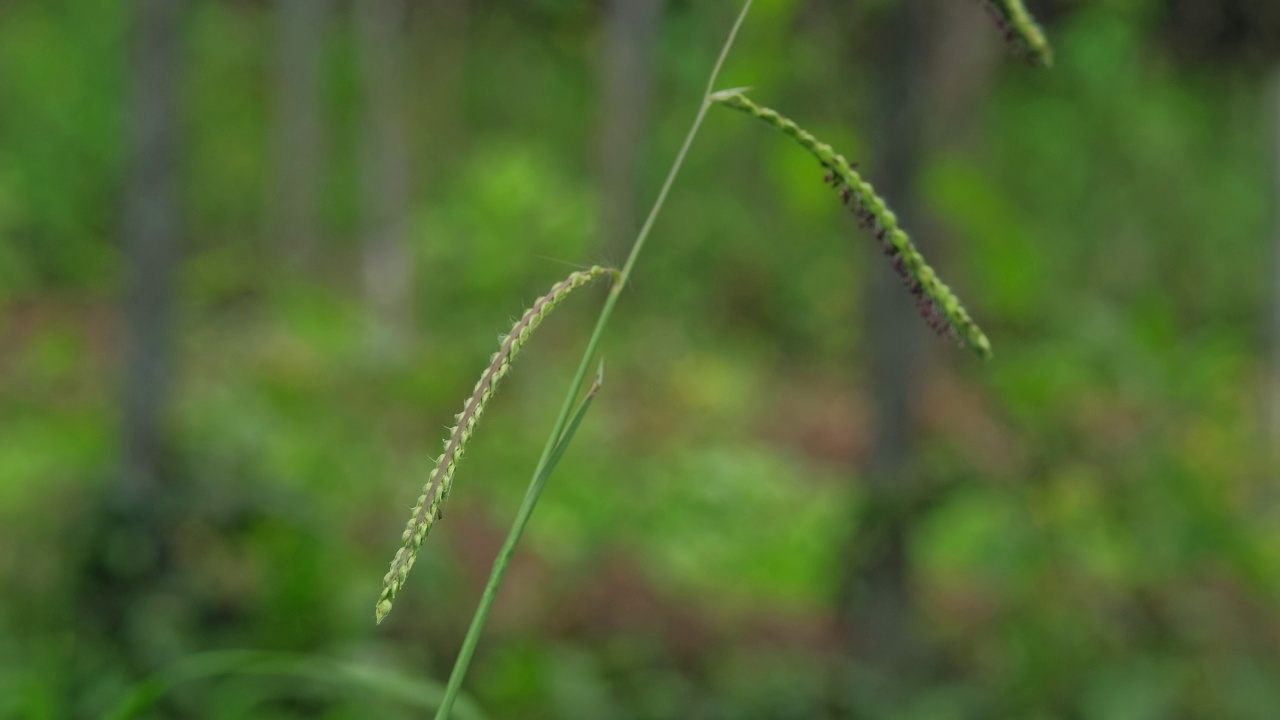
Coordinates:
[1087,522]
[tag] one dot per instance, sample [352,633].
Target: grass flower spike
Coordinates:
[938,305]
[436,491]
[1021,31]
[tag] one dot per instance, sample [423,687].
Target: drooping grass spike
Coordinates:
[938,305]
[436,491]
[1020,31]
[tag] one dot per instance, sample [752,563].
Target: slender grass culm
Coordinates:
[938,305]
[562,428]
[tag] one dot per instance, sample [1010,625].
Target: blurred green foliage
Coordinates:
[1106,545]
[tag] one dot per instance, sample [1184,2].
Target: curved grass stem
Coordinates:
[559,436]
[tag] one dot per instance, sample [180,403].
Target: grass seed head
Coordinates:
[430,505]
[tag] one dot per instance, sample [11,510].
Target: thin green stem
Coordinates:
[544,466]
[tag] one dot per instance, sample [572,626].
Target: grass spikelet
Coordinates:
[938,305]
[1020,31]
[429,505]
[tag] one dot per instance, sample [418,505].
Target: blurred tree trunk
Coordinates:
[385,189]
[152,227]
[1273,332]
[930,67]
[874,601]
[438,34]
[299,132]
[626,87]
[122,543]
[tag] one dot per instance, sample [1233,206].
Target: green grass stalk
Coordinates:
[558,431]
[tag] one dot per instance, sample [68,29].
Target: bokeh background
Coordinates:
[254,253]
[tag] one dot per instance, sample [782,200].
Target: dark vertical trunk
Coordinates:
[626,86]
[299,133]
[120,544]
[930,69]
[438,37]
[1272,410]
[875,598]
[875,601]
[152,241]
[385,189]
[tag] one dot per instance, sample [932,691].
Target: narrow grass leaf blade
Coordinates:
[563,443]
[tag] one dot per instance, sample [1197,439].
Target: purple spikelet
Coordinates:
[931,312]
